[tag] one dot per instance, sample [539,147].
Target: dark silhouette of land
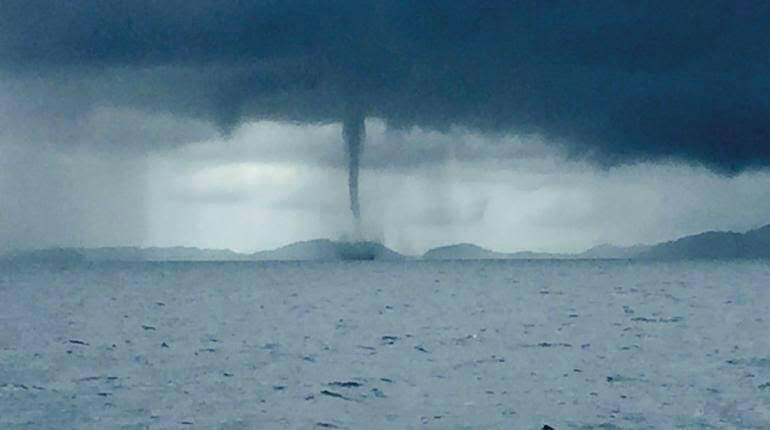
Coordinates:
[714,245]
[752,244]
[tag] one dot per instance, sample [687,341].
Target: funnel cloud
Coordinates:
[354,134]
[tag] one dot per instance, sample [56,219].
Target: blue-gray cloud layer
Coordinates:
[615,81]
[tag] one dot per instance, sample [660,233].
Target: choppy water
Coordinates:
[442,345]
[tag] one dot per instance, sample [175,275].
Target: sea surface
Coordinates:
[376,345]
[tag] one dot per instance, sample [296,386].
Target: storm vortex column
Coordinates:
[354,133]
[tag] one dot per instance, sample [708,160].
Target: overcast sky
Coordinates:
[548,126]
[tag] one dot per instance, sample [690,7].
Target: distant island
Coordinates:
[468,251]
[707,245]
[714,245]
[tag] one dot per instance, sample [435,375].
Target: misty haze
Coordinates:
[384,214]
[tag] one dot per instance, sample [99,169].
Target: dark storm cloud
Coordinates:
[613,81]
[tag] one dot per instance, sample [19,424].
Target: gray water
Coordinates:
[372,345]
